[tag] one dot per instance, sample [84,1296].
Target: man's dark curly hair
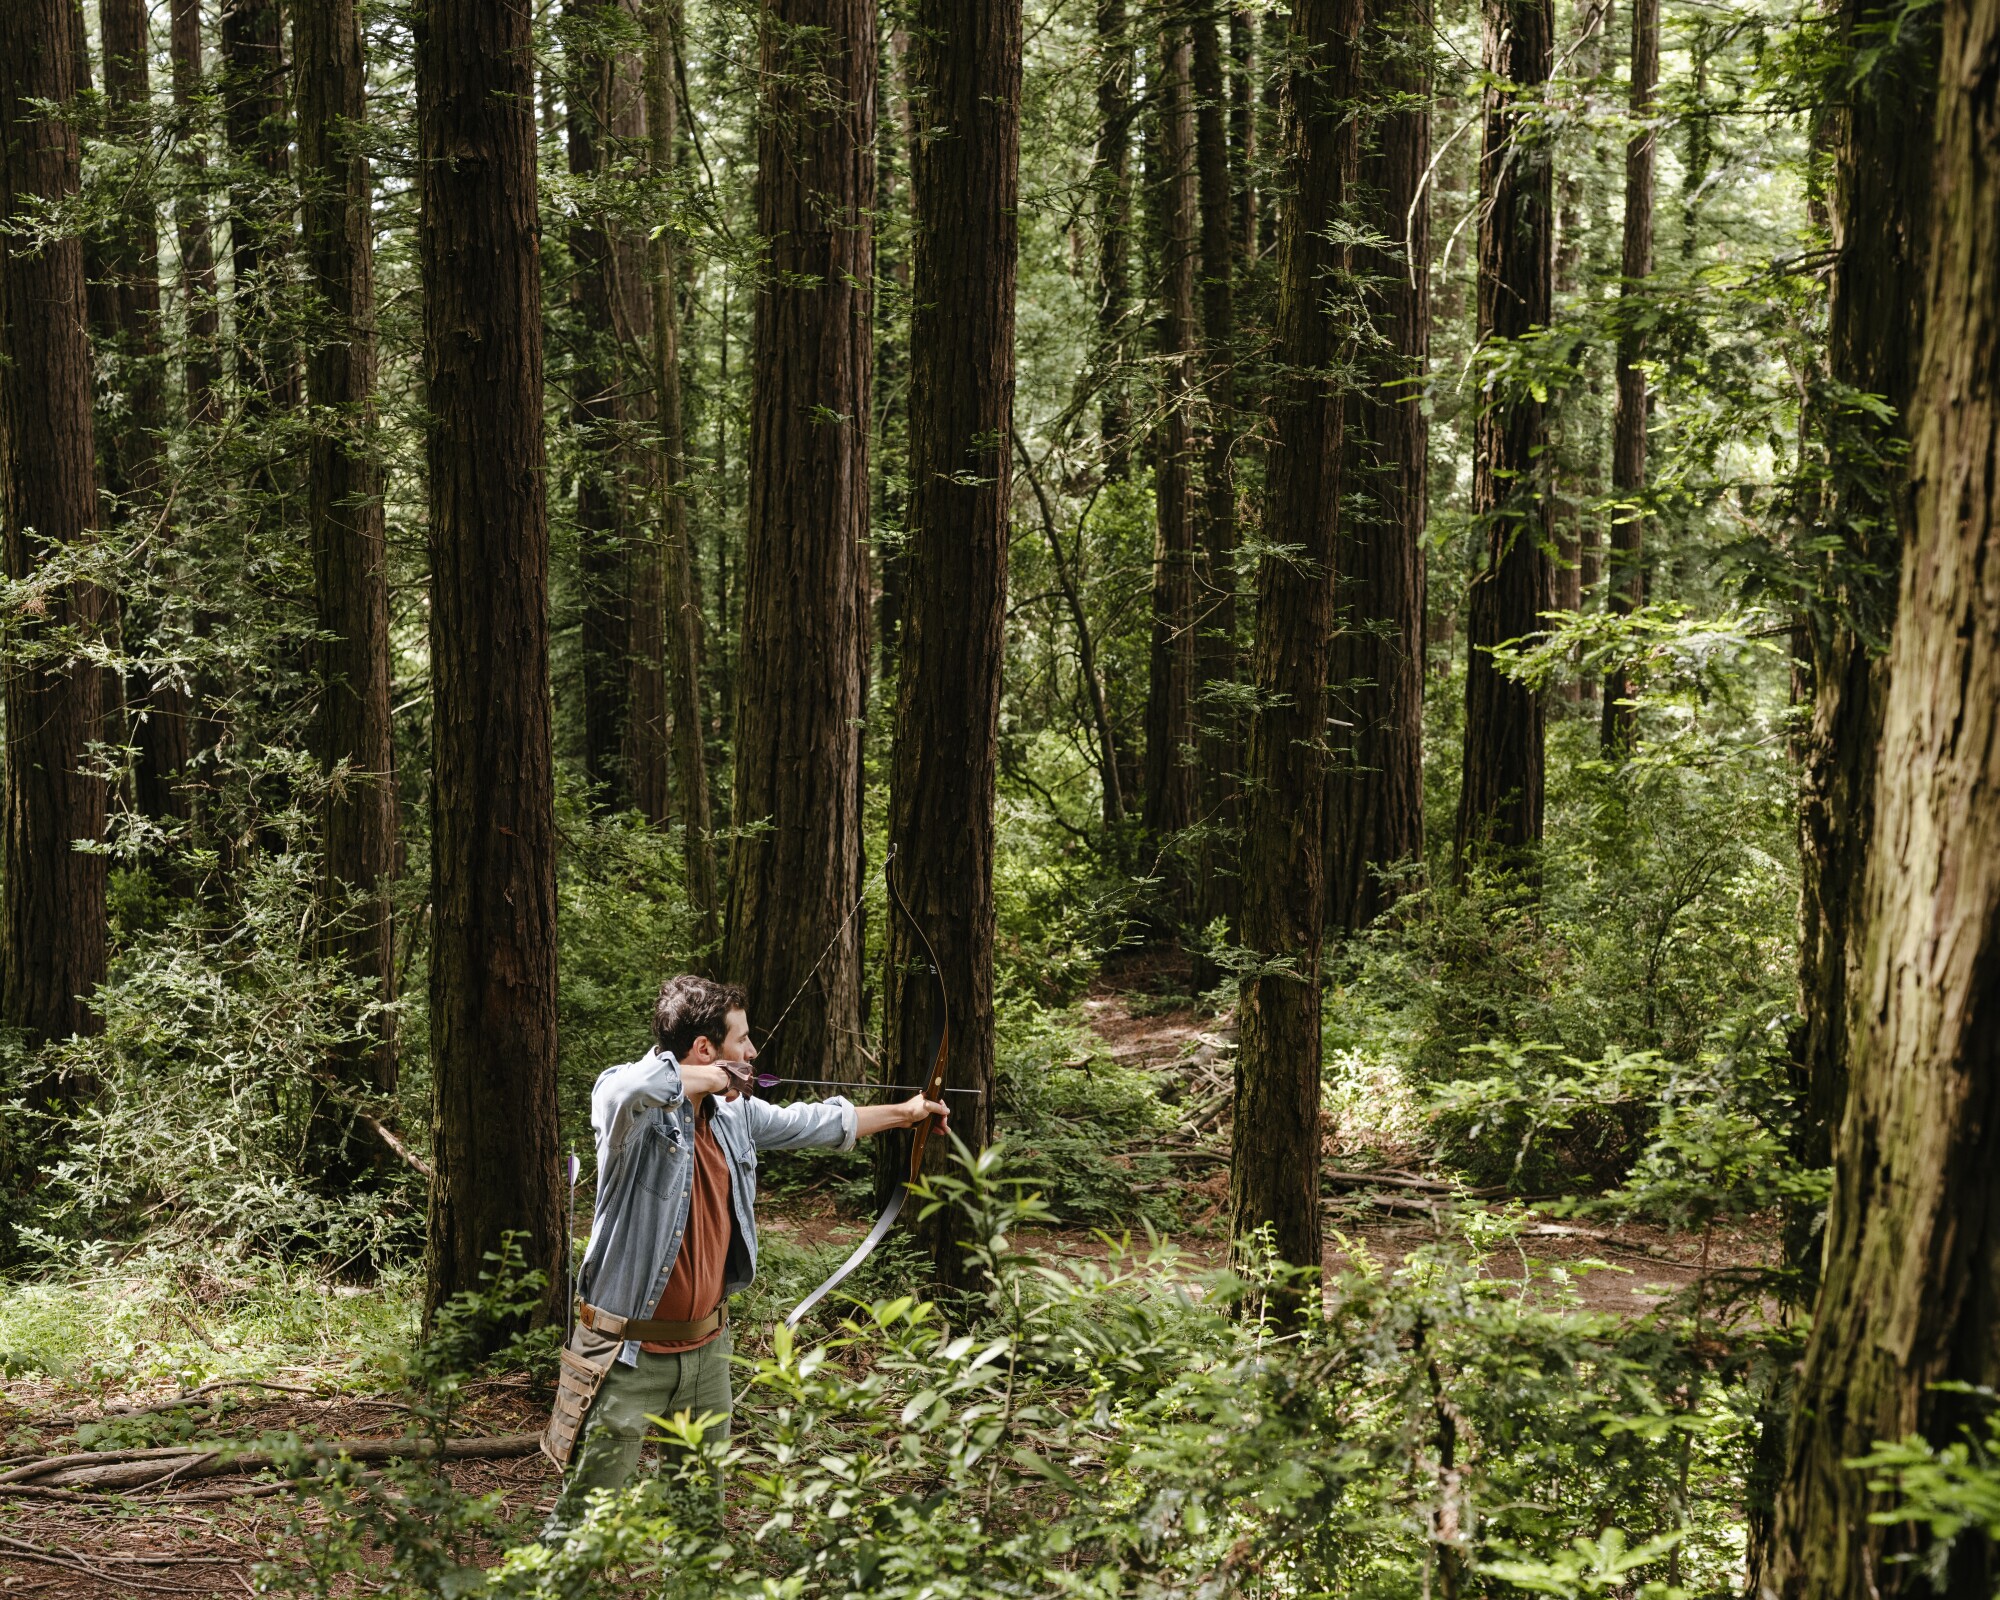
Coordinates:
[691,1008]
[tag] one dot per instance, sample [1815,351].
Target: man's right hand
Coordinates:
[701,1078]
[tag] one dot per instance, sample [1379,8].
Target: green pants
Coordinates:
[615,1431]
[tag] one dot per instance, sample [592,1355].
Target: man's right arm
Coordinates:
[623,1095]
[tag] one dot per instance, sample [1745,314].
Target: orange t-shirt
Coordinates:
[694,1287]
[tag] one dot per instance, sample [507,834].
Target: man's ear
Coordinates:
[701,1052]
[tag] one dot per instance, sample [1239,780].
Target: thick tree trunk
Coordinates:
[1170,729]
[493,943]
[1375,788]
[1243,144]
[193,227]
[1500,796]
[52,895]
[1907,1301]
[1219,740]
[889,467]
[131,454]
[344,512]
[965,89]
[1875,334]
[796,868]
[624,744]
[1626,555]
[162,706]
[260,228]
[1274,1173]
[1112,199]
[681,608]
[130,451]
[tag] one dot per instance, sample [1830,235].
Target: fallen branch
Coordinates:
[1386,1202]
[1361,1180]
[199,1392]
[1559,1230]
[73,1561]
[130,1469]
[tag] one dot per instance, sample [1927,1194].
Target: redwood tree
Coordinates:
[158,728]
[1500,795]
[680,606]
[1882,139]
[1170,773]
[1906,1307]
[493,899]
[1275,1166]
[1375,788]
[612,393]
[52,895]
[1627,549]
[192,224]
[796,868]
[253,91]
[1111,186]
[344,506]
[965,84]
[1218,742]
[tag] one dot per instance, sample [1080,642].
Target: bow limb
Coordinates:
[937,1048]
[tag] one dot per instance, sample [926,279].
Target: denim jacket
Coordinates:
[644,1127]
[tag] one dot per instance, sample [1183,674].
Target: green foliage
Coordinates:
[1682,1143]
[1948,1491]
[1097,1425]
[624,926]
[1073,1115]
[214,1105]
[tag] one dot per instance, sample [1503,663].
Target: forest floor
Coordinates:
[206,1537]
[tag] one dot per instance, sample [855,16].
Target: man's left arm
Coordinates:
[831,1124]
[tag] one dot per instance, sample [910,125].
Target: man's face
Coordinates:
[736,1045]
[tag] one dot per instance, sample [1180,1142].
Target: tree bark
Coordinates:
[681,607]
[1500,796]
[52,895]
[192,225]
[260,230]
[1170,728]
[344,512]
[1875,334]
[1912,1260]
[1375,788]
[493,944]
[162,707]
[965,89]
[1275,1169]
[1243,144]
[796,868]
[624,746]
[1626,553]
[1112,200]
[1219,736]
[130,452]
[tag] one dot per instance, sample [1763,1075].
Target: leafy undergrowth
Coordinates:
[1126,1423]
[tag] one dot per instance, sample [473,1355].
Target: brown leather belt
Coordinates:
[651,1330]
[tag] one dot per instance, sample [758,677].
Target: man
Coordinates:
[675,1230]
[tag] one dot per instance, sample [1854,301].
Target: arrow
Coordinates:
[768,1080]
